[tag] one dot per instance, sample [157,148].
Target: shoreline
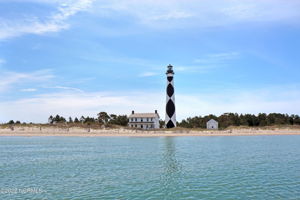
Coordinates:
[140,135]
[87,132]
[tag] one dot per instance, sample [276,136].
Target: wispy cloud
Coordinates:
[66,88]
[217,58]
[73,103]
[2,61]
[224,56]
[208,62]
[35,25]
[173,15]
[154,14]
[239,101]
[148,74]
[196,68]
[205,13]
[8,78]
[28,90]
[262,11]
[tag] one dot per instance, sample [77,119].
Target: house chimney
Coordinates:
[132,112]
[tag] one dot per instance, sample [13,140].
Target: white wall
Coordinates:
[143,121]
[212,125]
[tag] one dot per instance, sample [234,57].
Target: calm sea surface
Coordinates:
[255,167]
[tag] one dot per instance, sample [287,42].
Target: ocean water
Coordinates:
[254,167]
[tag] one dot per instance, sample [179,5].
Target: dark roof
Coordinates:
[212,120]
[170,70]
[141,115]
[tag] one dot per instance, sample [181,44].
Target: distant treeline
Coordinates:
[225,120]
[102,119]
[234,119]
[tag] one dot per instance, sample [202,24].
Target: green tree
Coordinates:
[113,117]
[262,118]
[76,120]
[103,117]
[56,118]
[234,119]
[161,123]
[122,120]
[59,119]
[62,119]
[89,120]
[82,119]
[297,120]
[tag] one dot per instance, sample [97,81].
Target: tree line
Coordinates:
[234,119]
[225,120]
[102,118]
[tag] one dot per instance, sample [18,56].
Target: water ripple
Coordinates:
[151,168]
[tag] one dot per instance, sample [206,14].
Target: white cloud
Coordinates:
[253,102]
[217,58]
[224,56]
[28,90]
[148,74]
[267,10]
[204,13]
[8,79]
[154,14]
[38,108]
[36,25]
[172,15]
[196,68]
[66,88]
[2,61]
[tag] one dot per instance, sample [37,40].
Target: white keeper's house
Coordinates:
[144,120]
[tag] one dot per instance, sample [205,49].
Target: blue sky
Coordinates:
[80,57]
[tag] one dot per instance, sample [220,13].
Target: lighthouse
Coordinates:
[170,100]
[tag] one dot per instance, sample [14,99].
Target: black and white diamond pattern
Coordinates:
[170,100]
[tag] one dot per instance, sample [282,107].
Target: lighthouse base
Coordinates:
[170,124]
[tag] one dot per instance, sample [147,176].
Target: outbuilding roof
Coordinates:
[212,120]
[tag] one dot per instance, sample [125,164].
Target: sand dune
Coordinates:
[90,132]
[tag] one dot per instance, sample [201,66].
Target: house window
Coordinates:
[135,119]
[147,119]
[135,126]
[141,119]
[142,126]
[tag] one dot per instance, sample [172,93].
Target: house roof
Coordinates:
[212,120]
[141,115]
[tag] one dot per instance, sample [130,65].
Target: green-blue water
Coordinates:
[256,167]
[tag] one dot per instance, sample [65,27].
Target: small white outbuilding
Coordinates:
[212,124]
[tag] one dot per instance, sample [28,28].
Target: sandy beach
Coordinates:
[89,132]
